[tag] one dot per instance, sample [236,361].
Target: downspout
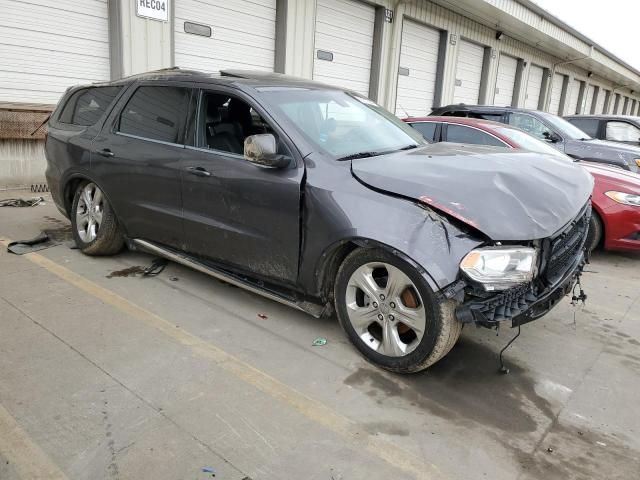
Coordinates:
[398,13]
[553,72]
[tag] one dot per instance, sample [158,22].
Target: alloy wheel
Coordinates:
[89,212]
[385,309]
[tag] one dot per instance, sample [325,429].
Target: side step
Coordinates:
[313,309]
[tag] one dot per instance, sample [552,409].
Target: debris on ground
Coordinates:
[550,450]
[21,202]
[20,247]
[156,267]
[210,470]
[318,342]
[174,279]
[262,316]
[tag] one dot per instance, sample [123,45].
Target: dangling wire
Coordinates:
[503,369]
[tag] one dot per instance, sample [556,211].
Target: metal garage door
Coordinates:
[468,73]
[417,72]
[602,95]
[534,85]
[574,92]
[243,34]
[589,99]
[344,44]
[625,105]
[49,46]
[505,80]
[556,93]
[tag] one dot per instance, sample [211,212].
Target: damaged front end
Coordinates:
[559,263]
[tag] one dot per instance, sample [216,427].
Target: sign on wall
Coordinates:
[154,9]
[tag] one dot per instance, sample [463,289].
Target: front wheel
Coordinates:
[95,228]
[391,314]
[594,237]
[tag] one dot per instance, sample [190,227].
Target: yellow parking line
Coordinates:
[26,458]
[310,408]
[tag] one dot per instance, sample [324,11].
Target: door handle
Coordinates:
[199,171]
[105,152]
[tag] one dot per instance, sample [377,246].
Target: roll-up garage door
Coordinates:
[556,93]
[49,46]
[344,44]
[505,80]
[625,105]
[589,99]
[468,73]
[602,95]
[417,72]
[243,34]
[534,85]
[574,93]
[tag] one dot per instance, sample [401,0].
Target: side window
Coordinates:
[226,121]
[156,113]
[86,106]
[427,129]
[462,134]
[622,132]
[587,125]
[529,124]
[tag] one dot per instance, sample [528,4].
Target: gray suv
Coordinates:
[555,130]
[318,198]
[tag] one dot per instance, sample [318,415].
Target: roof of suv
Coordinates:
[461,107]
[229,77]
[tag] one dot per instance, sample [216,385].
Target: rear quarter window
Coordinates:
[86,106]
[427,129]
[587,125]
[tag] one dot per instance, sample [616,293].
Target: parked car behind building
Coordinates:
[554,130]
[319,198]
[615,128]
[615,220]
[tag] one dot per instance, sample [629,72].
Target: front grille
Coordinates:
[567,246]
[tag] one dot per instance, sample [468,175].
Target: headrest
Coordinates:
[213,115]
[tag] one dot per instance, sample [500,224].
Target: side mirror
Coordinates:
[551,137]
[261,150]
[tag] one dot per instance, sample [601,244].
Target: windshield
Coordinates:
[565,128]
[341,124]
[527,142]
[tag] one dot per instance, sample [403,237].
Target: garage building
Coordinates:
[409,56]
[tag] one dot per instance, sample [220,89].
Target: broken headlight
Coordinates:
[499,268]
[624,198]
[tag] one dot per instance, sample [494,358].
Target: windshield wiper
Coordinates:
[409,147]
[353,156]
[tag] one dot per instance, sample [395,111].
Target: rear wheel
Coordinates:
[594,237]
[391,314]
[95,228]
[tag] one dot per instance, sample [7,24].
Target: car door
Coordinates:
[467,134]
[237,213]
[136,160]
[536,128]
[623,132]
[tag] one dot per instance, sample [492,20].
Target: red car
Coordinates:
[615,223]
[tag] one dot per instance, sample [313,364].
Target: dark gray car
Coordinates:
[320,199]
[614,128]
[558,132]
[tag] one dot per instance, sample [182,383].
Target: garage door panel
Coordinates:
[344,28]
[588,101]
[572,105]
[230,45]
[534,87]
[600,102]
[505,80]
[556,93]
[36,18]
[48,46]
[468,73]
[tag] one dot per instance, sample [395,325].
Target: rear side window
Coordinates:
[156,113]
[462,134]
[86,106]
[622,132]
[587,125]
[427,129]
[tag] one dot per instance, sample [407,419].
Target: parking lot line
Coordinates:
[27,458]
[307,406]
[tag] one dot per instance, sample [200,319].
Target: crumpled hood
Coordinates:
[506,194]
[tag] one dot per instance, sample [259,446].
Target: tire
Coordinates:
[376,327]
[94,224]
[594,236]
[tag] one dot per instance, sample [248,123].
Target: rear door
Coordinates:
[236,213]
[136,161]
